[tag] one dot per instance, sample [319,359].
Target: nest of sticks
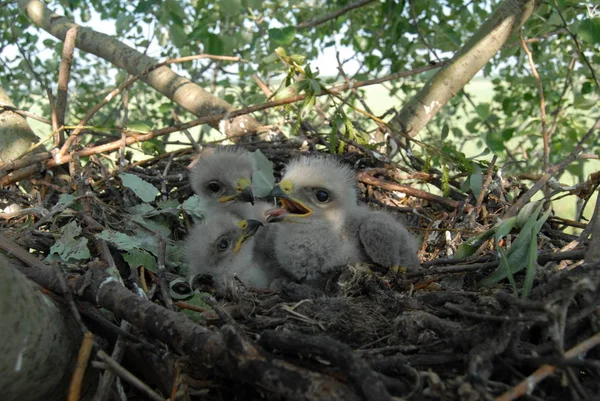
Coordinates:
[433,334]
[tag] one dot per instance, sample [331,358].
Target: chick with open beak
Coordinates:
[223,245]
[322,226]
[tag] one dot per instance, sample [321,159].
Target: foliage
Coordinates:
[385,37]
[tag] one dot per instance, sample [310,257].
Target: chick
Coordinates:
[222,178]
[223,246]
[322,226]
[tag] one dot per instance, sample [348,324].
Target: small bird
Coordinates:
[322,226]
[223,246]
[222,178]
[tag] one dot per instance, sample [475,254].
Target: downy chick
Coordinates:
[222,178]
[321,225]
[223,245]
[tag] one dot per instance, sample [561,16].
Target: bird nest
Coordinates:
[437,333]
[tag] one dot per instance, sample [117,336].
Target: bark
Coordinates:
[39,340]
[179,89]
[15,134]
[448,81]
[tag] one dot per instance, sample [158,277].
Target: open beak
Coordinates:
[244,193]
[289,206]
[249,228]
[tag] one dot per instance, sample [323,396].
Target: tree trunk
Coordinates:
[179,89]
[39,340]
[448,81]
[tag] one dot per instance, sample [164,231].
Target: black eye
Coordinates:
[223,244]
[214,186]
[322,195]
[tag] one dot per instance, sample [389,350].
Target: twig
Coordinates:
[363,378]
[542,258]
[263,87]
[24,113]
[390,186]
[586,61]
[494,318]
[82,362]
[552,170]
[64,73]
[527,385]
[332,15]
[128,83]
[213,118]
[128,376]
[540,89]
[488,179]
[162,281]
[108,377]
[187,133]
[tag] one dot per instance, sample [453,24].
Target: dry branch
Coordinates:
[179,89]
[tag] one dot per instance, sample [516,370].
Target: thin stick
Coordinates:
[126,84]
[64,73]
[540,89]
[552,170]
[128,376]
[332,15]
[82,361]
[135,138]
[527,385]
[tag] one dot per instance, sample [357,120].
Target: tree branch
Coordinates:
[179,89]
[443,86]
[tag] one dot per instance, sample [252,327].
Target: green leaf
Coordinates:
[123,22]
[282,36]
[121,240]
[504,228]
[504,266]
[173,7]
[144,190]
[152,225]
[476,180]
[66,199]
[196,300]
[262,178]
[589,30]
[213,44]
[495,141]
[69,248]
[519,251]
[139,257]
[139,126]
[194,205]
[471,245]
[445,132]
[483,111]
[153,147]
[292,90]
[177,35]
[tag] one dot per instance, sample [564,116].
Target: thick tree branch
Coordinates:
[179,89]
[443,86]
